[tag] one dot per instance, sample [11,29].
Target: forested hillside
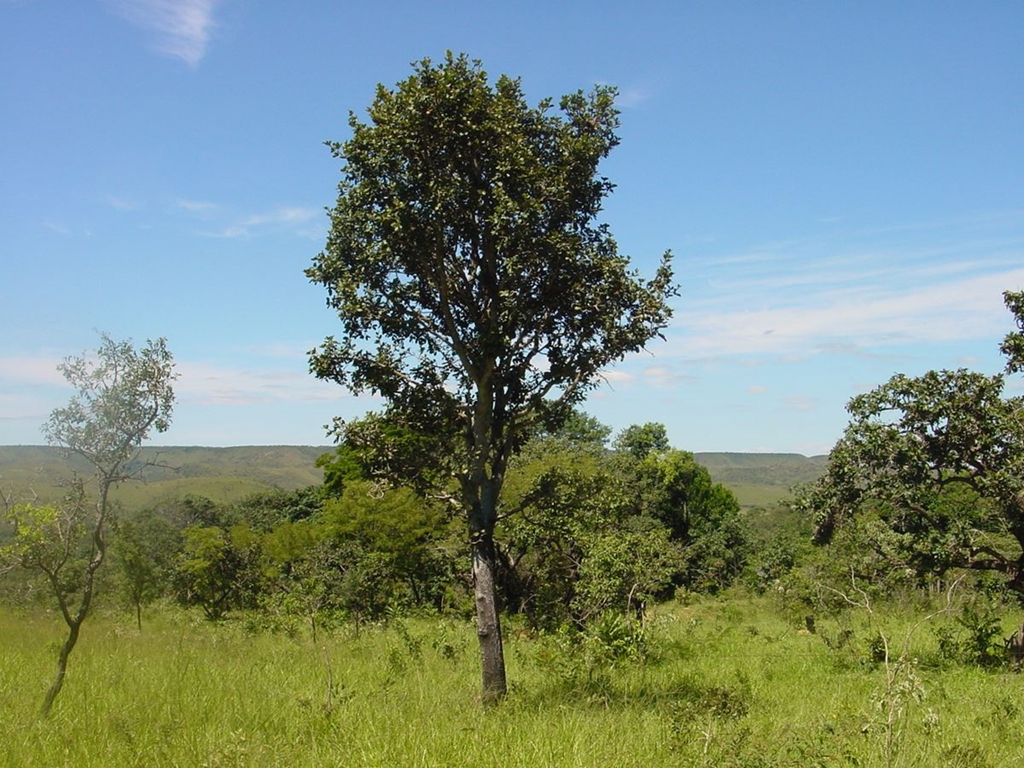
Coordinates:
[220,474]
[228,474]
[762,479]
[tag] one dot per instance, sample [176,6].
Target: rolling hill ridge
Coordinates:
[228,474]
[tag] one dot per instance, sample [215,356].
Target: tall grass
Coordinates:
[725,682]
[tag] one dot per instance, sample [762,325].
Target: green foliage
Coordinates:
[385,449]
[980,640]
[772,561]
[702,516]
[42,536]
[397,543]
[121,395]
[264,510]
[219,569]
[455,197]
[678,491]
[340,467]
[624,570]
[937,460]
[640,441]
[144,548]
[579,431]
[1013,345]
[303,575]
[582,659]
[191,509]
[589,531]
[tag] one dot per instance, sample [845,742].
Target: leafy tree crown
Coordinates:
[464,258]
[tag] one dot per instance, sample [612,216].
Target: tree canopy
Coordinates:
[939,459]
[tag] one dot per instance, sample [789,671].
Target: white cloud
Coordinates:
[293,218]
[34,380]
[801,403]
[40,371]
[124,203]
[846,316]
[631,97]
[23,408]
[198,207]
[282,216]
[299,220]
[282,349]
[662,377]
[182,27]
[210,384]
[613,377]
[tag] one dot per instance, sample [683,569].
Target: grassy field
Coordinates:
[727,682]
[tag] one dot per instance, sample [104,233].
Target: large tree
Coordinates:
[477,293]
[937,461]
[121,395]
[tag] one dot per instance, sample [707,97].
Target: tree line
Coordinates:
[587,527]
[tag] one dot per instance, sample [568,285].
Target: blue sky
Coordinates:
[841,184]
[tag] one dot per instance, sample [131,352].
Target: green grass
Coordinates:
[750,495]
[732,683]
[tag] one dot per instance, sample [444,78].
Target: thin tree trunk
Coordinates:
[492,654]
[75,622]
[62,668]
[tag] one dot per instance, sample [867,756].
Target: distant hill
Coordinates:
[227,474]
[762,479]
[221,474]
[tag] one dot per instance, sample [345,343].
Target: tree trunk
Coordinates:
[488,626]
[62,668]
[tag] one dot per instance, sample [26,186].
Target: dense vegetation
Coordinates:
[350,547]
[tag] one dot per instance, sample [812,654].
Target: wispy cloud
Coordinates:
[210,384]
[613,377]
[25,378]
[851,293]
[63,229]
[124,203]
[31,370]
[850,318]
[221,222]
[632,97]
[800,403]
[290,218]
[197,207]
[182,28]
